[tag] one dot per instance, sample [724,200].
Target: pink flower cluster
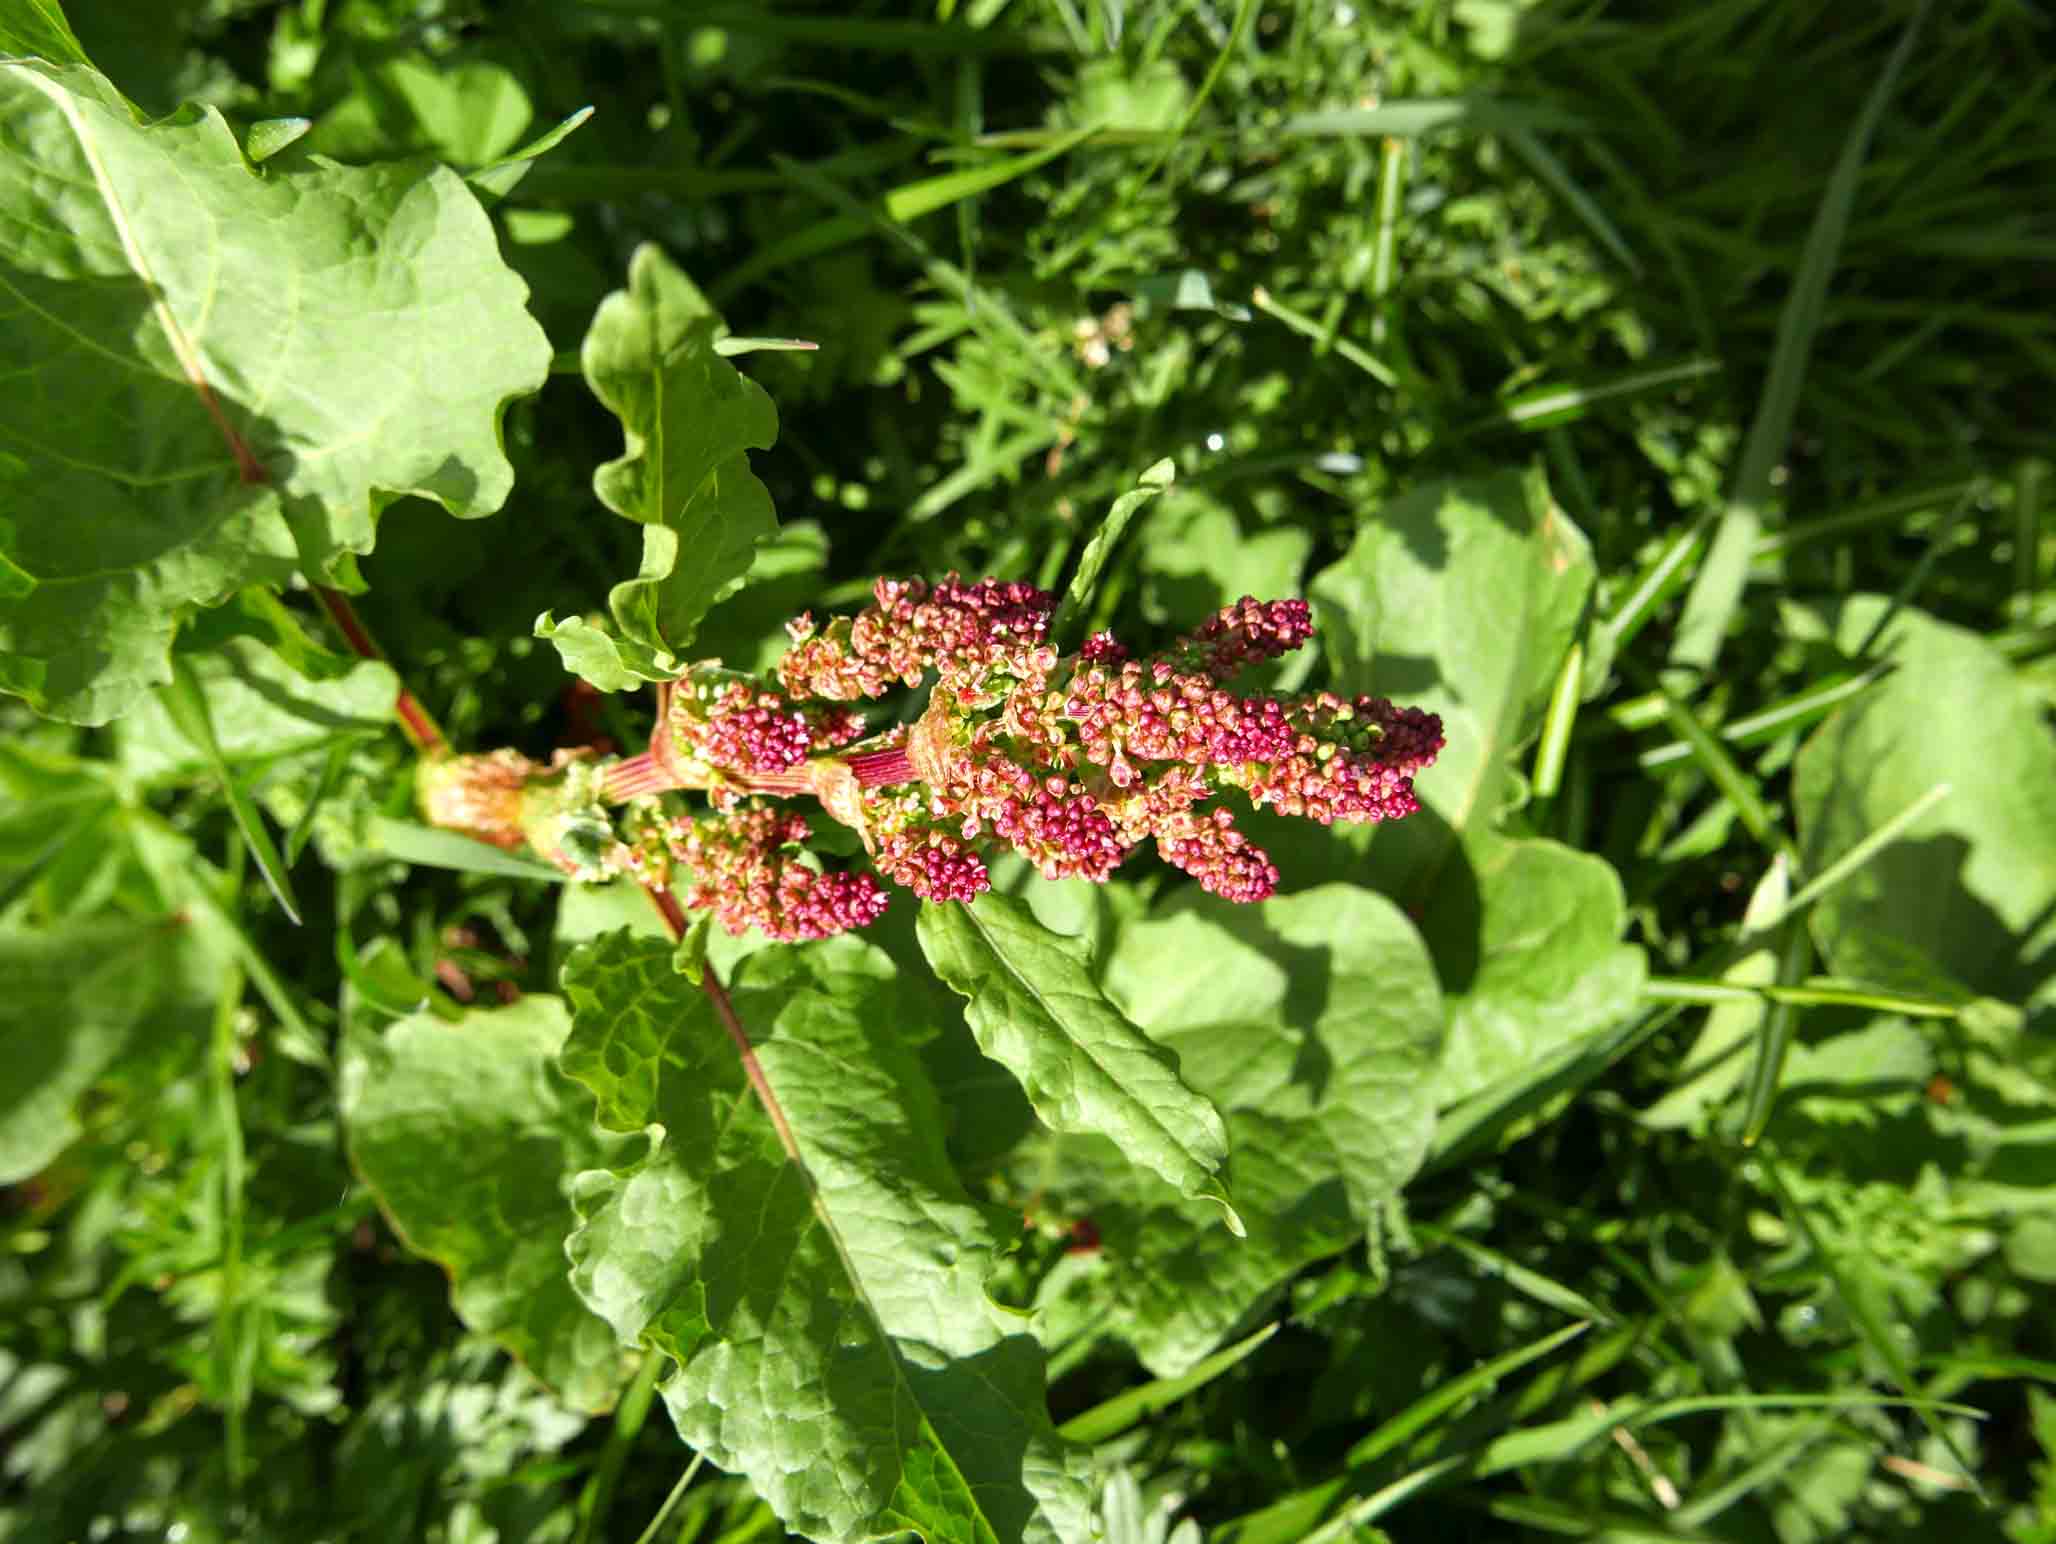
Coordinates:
[735,726]
[748,869]
[1072,762]
[965,632]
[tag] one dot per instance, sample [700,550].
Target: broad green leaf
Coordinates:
[468,112]
[1037,1011]
[1530,959]
[596,656]
[229,373]
[469,1137]
[828,1310]
[1970,889]
[1313,1021]
[75,998]
[690,418]
[1464,598]
[262,707]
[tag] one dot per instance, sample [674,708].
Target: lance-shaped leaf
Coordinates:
[825,1299]
[1036,1010]
[468,1136]
[690,418]
[1313,1021]
[219,374]
[1463,598]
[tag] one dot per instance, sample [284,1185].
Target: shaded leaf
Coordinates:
[1313,1021]
[230,373]
[1464,598]
[261,707]
[75,998]
[469,1136]
[1037,1011]
[1970,890]
[829,1314]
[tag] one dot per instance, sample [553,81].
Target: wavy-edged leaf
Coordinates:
[1037,1011]
[469,1137]
[690,419]
[602,660]
[229,373]
[1313,1021]
[829,1314]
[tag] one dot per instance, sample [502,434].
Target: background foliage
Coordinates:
[1652,1138]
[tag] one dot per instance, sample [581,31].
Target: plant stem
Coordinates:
[648,774]
[710,983]
[649,1534]
[422,731]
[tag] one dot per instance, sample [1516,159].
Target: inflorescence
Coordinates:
[1072,761]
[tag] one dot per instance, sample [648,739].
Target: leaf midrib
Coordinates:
[1042,1002]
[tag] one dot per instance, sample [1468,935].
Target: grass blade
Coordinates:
[1717,590]
[911,200]
[185,700]
[1108,1420]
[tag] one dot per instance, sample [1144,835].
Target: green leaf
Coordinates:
[827,1304]
[689,418]
[37,29]
[1313,1021]
[1201,558]
[1969,890]
[596,656]
[433,847]
[269,136]
[469,1137]
[1037,1011]
[1464,598]
[230,373]
[76,997]
[1077,602]
[262,707]
[496,181]
[1529,960]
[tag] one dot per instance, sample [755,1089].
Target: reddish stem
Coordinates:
[717,994]
[648,773]
[420,726]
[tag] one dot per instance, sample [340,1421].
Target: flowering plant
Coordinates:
[1071,760]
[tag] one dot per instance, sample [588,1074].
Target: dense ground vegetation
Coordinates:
[1652,1138]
